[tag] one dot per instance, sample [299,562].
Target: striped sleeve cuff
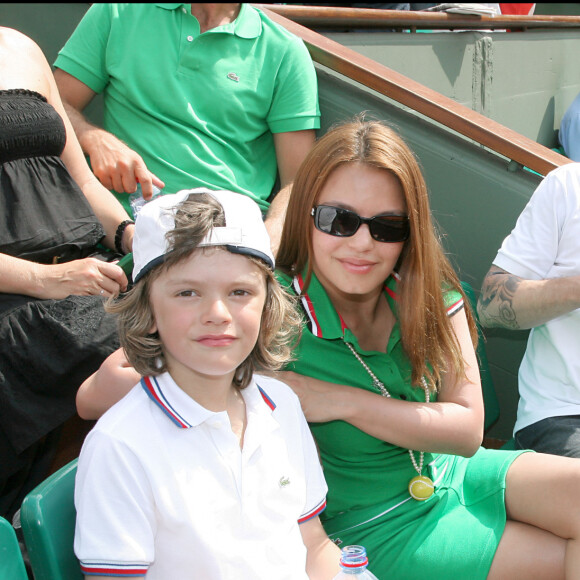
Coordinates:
[313,513]
[455,307]
[108,569]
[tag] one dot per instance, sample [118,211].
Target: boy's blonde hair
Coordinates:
[280,324]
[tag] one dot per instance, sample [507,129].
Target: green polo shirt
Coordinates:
[368,501]
[322,354]
[199,108]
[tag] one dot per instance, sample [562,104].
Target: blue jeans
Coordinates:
[556,435]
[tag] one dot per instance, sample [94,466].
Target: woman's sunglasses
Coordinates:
[337,221]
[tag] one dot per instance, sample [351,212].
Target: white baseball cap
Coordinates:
[244,232]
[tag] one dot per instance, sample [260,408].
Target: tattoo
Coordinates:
[496,300]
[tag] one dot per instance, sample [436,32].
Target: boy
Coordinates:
[203,470]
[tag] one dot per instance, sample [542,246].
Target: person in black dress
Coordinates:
[60,233]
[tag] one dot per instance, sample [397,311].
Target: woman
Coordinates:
[388,379]
[53,328]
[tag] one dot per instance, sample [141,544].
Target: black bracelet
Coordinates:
[119,235]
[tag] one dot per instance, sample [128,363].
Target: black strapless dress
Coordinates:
[47,347]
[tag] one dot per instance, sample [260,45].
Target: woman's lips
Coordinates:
[357,266]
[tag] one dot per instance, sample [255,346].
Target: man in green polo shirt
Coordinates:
[215,95]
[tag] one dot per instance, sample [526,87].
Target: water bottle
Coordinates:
[353,564]
[137,200]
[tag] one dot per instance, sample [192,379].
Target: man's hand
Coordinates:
[117,166]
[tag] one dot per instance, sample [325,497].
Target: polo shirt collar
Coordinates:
[322,319]
[171,5]
[248,24]
[184,412]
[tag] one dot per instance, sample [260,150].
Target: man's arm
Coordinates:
[291,149]
[508,301]
[116,165]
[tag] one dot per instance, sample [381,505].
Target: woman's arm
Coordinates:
[86,277]
[109,384]
[107,208]
[453,424]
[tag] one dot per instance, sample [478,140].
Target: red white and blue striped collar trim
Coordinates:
[266,398]
[310,312]
[154,391]
[307,306]
[313,512]
[107,569]
[314,315]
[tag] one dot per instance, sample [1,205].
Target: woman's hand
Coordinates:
[320,400]
[86,277]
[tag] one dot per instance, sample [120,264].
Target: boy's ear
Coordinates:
[153,328]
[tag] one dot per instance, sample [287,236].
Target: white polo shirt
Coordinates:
[164,489]
[545,243]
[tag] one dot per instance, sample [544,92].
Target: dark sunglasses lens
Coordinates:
[336,221]
[390,228]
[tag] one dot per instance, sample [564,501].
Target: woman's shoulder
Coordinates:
[453,299]
[283,278]
[14,41]
[23,63]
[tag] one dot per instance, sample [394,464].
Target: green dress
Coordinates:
[454,533]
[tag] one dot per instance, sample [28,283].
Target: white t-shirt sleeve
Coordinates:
[533,247]
[569,134]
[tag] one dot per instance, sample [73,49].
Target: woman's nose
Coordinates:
[362,239]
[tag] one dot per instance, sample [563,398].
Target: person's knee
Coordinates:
[526,551]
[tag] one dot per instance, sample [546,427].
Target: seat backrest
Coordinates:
[11,562]
[490,400]
[48,522]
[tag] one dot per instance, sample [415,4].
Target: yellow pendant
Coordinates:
[421,488]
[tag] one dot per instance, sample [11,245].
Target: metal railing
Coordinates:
[416,96]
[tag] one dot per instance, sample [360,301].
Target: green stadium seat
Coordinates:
[11,562]
[48,523]
[490,400]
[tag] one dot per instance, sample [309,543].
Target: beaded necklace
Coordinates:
[420,487]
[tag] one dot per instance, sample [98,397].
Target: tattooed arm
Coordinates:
[508,301]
